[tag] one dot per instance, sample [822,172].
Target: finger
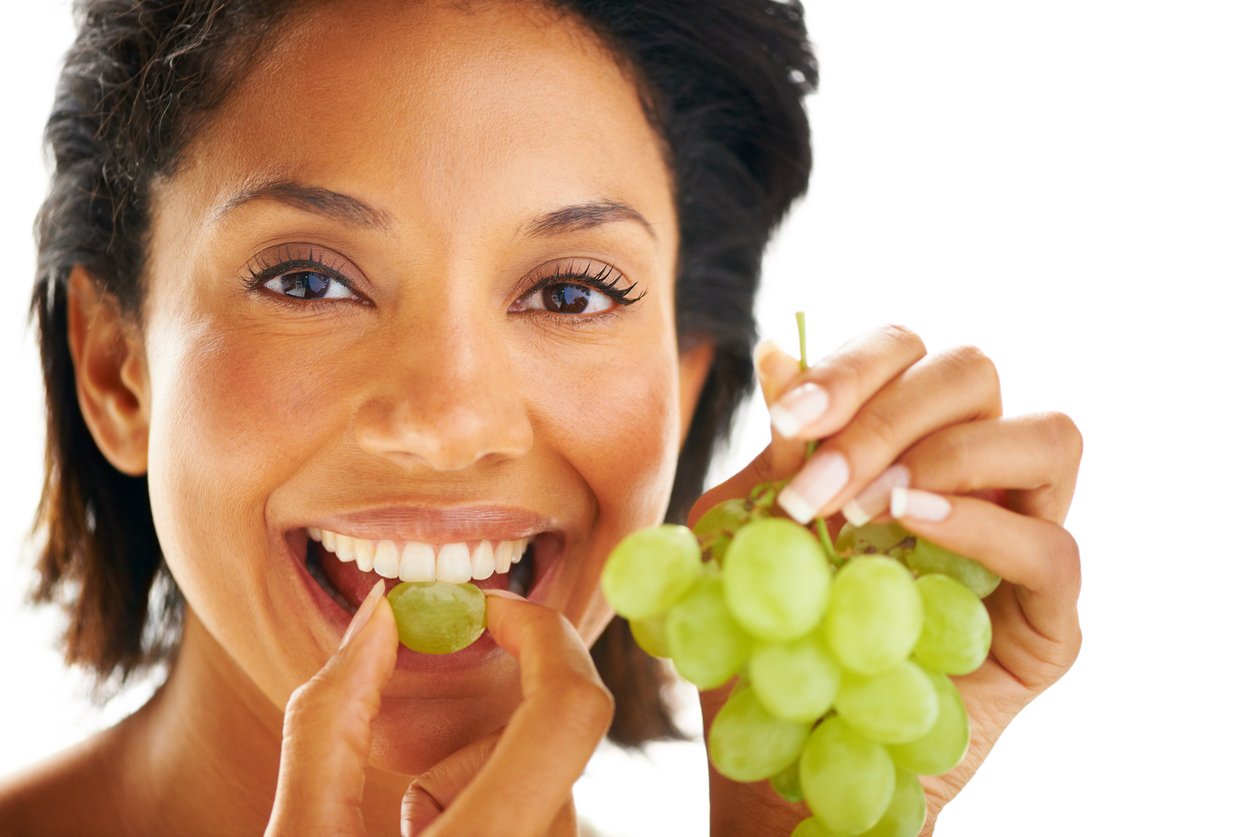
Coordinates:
[544,748]
[327,729]
[1035,457]
[776,369]
[1039,557]
[954,386]
[830,393]
[434,791]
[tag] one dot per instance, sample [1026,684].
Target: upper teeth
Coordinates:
[418,561]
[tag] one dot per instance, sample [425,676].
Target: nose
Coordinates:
[445,398]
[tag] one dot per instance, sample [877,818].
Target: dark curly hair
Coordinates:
[721,81]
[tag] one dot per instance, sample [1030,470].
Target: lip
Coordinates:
[548,555]
[429,524]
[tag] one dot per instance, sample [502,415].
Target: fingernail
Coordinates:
[815,485]
[921,505]
[798,408]
[362,616]
[504,594]
[875,497]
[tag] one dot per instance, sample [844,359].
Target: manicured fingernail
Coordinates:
[875,497]
[921,505]
[362,616]
[798,408]
[815,485]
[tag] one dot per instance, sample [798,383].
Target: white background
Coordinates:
[1067,185]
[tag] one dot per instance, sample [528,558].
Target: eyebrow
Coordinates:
[584,215]
[338,206]
[334,205]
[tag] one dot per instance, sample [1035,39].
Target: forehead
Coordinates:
[436,110]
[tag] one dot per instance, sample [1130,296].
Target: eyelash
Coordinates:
[260,273]
[605,280]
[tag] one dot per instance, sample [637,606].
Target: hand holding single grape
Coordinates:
[892,425]
[515,781]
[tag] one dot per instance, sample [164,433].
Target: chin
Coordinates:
[413,734]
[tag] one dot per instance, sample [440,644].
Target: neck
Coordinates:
[203,754]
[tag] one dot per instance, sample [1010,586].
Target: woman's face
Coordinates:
[401,177]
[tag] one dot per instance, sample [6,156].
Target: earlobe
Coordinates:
[694,368]
[110,373]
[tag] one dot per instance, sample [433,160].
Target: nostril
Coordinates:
[447,438]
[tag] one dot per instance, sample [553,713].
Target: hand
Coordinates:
[516,781]
[997,490]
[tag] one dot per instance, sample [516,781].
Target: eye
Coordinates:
[299,275]
[567,298]
[570,288]
[309,284]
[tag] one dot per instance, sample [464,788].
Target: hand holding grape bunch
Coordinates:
[877,415]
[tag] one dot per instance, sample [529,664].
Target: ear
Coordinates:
[110,373]
[694,366]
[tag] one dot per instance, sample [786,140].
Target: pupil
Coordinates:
[305,284]
[568,299]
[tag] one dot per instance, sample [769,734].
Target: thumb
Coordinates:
[327,729]
[776,369]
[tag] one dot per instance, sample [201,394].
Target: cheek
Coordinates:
[620,430]
[233,415]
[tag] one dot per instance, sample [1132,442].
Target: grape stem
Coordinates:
[819,524]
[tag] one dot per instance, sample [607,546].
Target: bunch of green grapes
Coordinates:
[842,651]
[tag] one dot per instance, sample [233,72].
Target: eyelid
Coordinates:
[608,279]
[296,256]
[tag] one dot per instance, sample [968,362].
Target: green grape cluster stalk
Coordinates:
[843,652]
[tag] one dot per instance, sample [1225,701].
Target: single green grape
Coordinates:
[717,526]
[906,812]
[956,631]
[927,557]
[707,645]
[919,554]
[847,780]
[776,578]
[650,634]
[436,617]
[787,783]
[795,680]
[811,827]
[891,707]
[650,570]
[749,744]
[873,539]
[874,614]
[941,748]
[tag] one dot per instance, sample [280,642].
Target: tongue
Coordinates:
[354,585]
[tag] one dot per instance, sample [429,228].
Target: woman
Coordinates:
[440,274]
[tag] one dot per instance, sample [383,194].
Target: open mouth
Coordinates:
[347,568]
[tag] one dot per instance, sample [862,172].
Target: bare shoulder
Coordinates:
[72,792]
